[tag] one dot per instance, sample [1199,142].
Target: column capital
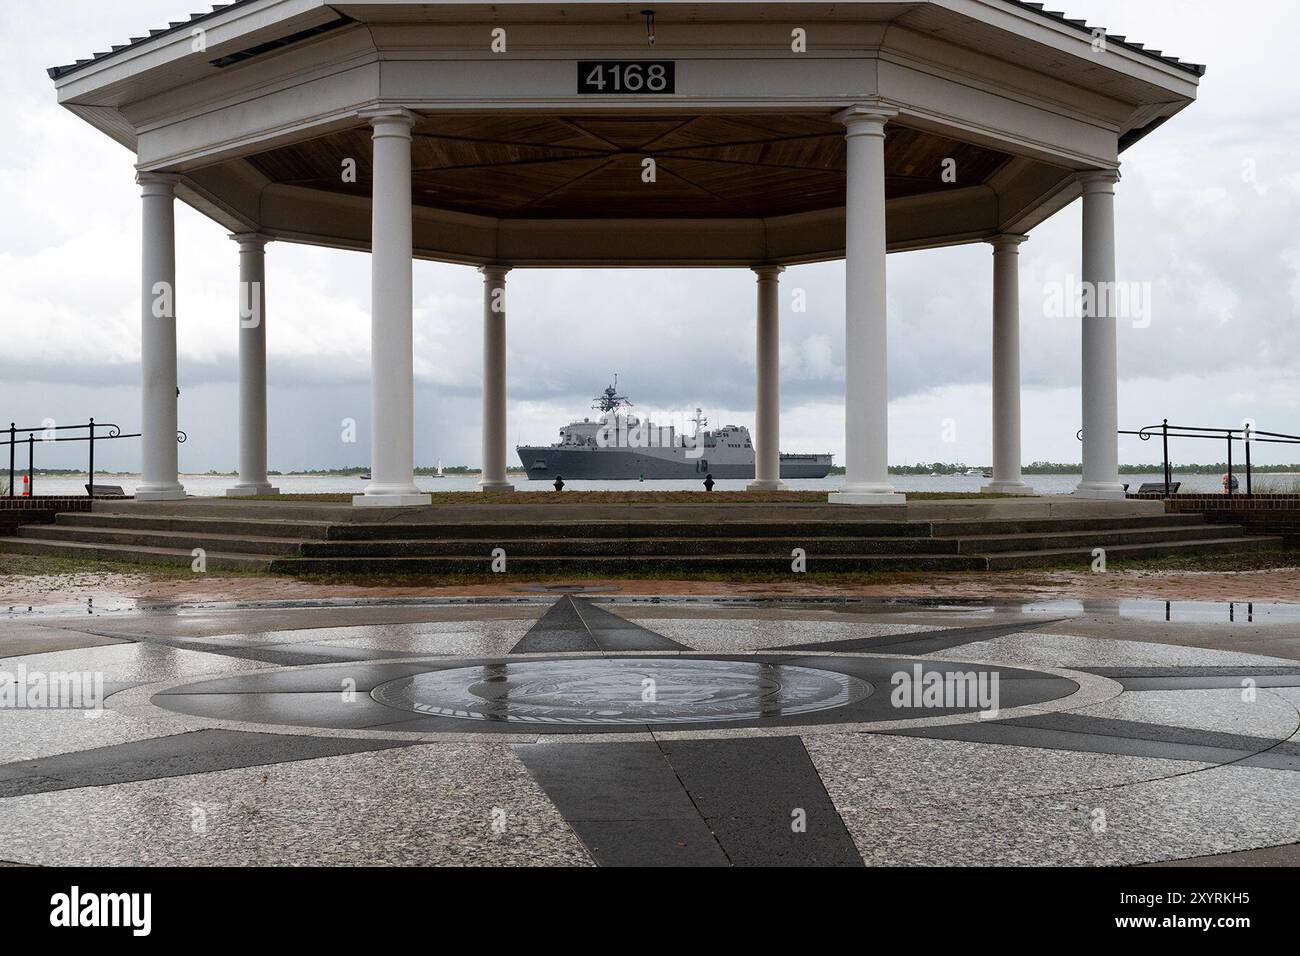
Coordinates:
[866,118]
[390,118]
[494,272]
[157,184]
[251,238]
[767,270]
[1098,180]
[1006,242]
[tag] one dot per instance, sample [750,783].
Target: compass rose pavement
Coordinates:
[615,730]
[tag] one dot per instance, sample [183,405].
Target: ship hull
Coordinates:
[628,464]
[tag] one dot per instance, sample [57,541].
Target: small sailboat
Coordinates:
[439,472]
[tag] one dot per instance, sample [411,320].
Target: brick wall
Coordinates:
[37,510]
[1261,514]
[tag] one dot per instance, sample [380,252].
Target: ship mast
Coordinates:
[610,400]
[699,421]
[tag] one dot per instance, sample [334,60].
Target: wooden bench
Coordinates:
[105,491]
[1158,487]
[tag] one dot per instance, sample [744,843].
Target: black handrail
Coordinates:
[1246,435]
[91,436]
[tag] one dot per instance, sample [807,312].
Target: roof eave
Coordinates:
[57,73]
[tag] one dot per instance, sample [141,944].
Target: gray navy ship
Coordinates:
[620,446]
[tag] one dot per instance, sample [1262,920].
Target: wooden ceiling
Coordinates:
[584,167]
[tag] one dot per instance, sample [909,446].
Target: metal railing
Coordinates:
[1246,435]
[102,431]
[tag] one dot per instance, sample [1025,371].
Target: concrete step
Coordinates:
[641,528]
[734,528]
[1099,538]
[624,547]
[621,562]
[607,564]
[971,527]
[700,509]
[250,527]
[485,530]
[492,531]
[1083,557]
[180,540]
[216,560]
[775,546]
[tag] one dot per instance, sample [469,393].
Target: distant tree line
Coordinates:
[365,470]
[1066,468]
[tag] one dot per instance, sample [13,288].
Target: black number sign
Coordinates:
[626,76]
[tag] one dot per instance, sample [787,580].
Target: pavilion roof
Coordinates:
[1197,69]
[57,72]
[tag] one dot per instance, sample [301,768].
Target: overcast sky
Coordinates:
[1222,255]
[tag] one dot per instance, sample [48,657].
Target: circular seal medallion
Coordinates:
[622,690]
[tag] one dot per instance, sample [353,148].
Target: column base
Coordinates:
[1007,488]
[390,501]
[251,491]
[766,484]
[495,486]
[1101,491]
[867,495]
[174,492]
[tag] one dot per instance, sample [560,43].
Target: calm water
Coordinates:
[319,484]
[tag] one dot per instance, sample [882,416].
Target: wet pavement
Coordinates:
[610,728]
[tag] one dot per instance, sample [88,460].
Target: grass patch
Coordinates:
[1245,561]
[844,579]
[1228,561]
[28,565]
[1273,485]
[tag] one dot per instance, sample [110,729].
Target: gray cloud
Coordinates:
[1221,254]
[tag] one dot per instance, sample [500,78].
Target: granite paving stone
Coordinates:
[1225,710]
[1043,649]
[738,635]
[172,756]
[240,735]
[437,804]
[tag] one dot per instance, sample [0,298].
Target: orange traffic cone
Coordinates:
[27,486]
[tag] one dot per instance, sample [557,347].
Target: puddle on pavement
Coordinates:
[1187,612]
[1177,612]
[89,607]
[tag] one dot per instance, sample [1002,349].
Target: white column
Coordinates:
[158,470]
[252,368]
[1006,368]
[866,394]
[767,397]
[494,380]
[392,375]
[1100,358]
